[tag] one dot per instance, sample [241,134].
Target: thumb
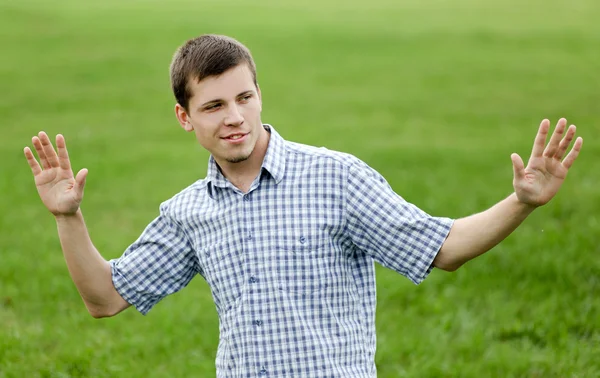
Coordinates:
[518,166]
[80,179]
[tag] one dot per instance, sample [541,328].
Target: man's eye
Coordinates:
[246,97]
[212,107]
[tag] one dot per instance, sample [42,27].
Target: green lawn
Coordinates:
[436,95]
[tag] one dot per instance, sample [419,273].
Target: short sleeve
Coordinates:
[394,232]
[161,262]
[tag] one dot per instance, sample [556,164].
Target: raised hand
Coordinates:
[546,170]
[59,190]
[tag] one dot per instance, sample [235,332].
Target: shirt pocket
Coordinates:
[223,271]
[302,263]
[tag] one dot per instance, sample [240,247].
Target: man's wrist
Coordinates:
[67,217]
[522,207]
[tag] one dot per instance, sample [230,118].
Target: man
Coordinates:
[285,234]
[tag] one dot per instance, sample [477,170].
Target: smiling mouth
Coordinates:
[235,137]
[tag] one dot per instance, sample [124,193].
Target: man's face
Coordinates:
[224,112]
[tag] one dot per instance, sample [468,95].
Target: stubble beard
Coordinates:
[241,156]
[238,159]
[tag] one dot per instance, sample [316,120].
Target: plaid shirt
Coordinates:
[290,263]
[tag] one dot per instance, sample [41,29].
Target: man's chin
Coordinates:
[237,159]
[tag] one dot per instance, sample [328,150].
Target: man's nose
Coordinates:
[234,116]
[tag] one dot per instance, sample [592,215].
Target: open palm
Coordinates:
[546,170]
[59,190]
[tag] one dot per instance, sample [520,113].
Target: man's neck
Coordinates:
[242,174]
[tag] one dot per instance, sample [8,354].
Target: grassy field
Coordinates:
[436,95]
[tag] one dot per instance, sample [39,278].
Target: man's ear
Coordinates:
[183,118]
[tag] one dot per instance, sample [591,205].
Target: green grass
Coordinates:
[433,94]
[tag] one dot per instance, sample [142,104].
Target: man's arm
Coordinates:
[472,236]
[534,186]
[62,193]
[90,272]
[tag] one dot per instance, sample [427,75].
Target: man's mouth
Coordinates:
[235,136]
[238,137]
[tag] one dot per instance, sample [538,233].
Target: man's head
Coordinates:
[205,56]
[214,82]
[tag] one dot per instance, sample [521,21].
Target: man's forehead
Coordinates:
[230,83]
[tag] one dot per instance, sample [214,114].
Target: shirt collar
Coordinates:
[274,161]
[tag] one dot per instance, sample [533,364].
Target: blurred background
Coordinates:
[435,95]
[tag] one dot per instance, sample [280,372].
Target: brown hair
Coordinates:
[204,56]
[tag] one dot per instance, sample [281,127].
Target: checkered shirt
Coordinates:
[290,263]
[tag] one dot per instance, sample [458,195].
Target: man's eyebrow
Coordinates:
[215,101]
[218,100]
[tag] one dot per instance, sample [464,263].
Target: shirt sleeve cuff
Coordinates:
[125,290]
[441,231]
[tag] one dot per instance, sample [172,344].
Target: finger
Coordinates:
[565,142]
[518,167]
[557,135]
[80,179]
[570,159]
[35,166]
[49,150]
[63,154]
[37,144]
[540,139]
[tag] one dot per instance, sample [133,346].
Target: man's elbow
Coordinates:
[98,312]
[449,267]
[106,306]
[444,263]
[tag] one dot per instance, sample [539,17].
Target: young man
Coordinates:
[285,234]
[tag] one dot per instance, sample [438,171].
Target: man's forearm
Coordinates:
[89,270]
[478,233]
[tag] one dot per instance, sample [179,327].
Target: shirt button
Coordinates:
[258,322]
[246,198]
[263,371]
[302,239]
[249,236]
[253,280]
